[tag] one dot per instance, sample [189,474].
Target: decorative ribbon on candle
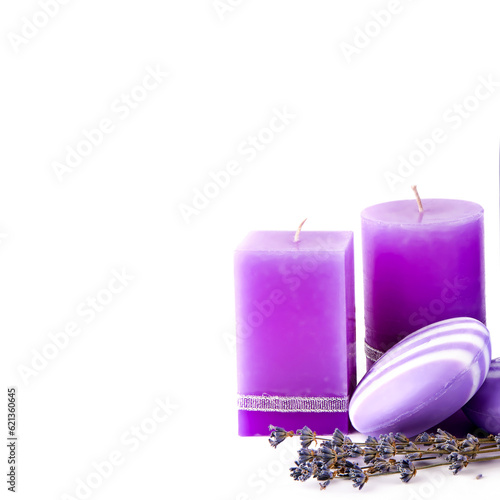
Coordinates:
[373,354]
[291,404]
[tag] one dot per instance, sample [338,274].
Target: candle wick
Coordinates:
[419,201]
[297,234]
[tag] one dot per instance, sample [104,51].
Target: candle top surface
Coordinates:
[436,211]
[282,241]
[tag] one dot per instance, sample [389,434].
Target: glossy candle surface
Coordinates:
[420,268]
[295,328]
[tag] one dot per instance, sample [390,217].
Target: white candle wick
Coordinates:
[419,201]
[297,234]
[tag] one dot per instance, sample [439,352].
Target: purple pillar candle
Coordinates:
[420,268]
[295,331]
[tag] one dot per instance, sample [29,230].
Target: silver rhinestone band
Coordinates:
[289,404]
[373,354]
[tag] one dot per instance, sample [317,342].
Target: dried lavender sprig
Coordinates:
[430,466]
[278,435]
[405,469]
[330,459]
[307,437]
[397,440]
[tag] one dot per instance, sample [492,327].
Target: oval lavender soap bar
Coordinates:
[423,379]
[484,408]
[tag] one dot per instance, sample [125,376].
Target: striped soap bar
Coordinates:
[484,408]
[423,379]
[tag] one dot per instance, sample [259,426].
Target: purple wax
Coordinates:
[423,379]
[295,330]
[484,408]
[420,268]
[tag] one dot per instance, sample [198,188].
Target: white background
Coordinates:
[168,334]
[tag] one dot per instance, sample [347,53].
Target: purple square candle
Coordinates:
[295,331]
